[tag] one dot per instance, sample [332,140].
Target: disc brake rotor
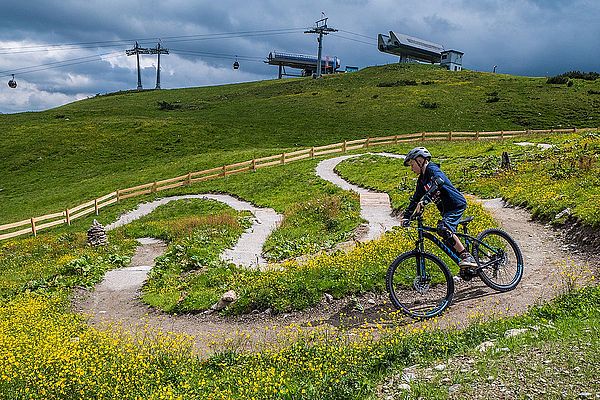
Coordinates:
[421,284]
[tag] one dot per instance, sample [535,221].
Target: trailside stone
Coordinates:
[227,298]
[515,332]
[485,346]
[96,235]
[454,388]
[564,213]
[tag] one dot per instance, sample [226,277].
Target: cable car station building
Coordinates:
[308,64]
[412,49]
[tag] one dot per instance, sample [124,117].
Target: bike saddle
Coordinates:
[465,221]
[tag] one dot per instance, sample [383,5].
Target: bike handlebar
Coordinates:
[426,199]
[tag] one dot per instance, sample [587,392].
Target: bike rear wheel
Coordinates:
[499,258]
[419,284]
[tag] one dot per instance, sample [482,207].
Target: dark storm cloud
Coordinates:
[531,37]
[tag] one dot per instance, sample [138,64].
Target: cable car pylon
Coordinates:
[158,50]
[137,50]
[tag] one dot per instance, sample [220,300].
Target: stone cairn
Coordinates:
[96,235]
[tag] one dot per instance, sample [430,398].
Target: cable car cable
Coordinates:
[354,40]
[57,62]
[43,67]
[115,43]
[215,55]
[357,34]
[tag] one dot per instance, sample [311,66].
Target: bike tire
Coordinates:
[501,268]
[403,285]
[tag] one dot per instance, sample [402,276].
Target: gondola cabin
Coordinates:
[12,83]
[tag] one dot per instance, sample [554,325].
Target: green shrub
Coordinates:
[588,76]
[432,105]
[558,80]
[402,82]
[165,105]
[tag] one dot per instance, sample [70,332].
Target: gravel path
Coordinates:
[375,207]
[543,257]
[118,291]
[248,249]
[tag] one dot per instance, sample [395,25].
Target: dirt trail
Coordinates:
[247,251]
[375,207]
[543,258]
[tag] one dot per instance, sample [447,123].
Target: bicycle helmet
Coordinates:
[416,152]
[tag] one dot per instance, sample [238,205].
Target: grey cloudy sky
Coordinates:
[528,37]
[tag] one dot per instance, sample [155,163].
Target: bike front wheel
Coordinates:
[419,284]
[499,258]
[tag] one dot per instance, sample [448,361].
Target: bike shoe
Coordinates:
[467,261]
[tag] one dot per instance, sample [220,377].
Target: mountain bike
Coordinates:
[421,285]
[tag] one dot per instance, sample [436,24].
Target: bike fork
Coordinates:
[420,259]
[420,265]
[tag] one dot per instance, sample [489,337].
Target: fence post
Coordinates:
[477,135]
[502,135]
[344,147]
[551,130]
[68,216]
[154,186]
[367,142]
[189,179]
[312,152]
[95,206]
[118,195]
[574,130]
[423,136]
[33,230]
[254,164]
[450,135]
[395,139]
[283,158]
[224,172]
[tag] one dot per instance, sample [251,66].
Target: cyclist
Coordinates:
[434,185]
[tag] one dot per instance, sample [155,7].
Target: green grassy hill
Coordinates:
[60,157]
[63,156]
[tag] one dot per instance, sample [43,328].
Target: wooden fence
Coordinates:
[35,224]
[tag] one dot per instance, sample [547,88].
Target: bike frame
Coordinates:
[425,232]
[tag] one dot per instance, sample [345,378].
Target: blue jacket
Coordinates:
[450,198]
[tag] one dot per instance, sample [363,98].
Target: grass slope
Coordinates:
[60,157]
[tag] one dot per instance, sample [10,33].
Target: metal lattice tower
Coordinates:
[137,50]
[158,50]
[321,29]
